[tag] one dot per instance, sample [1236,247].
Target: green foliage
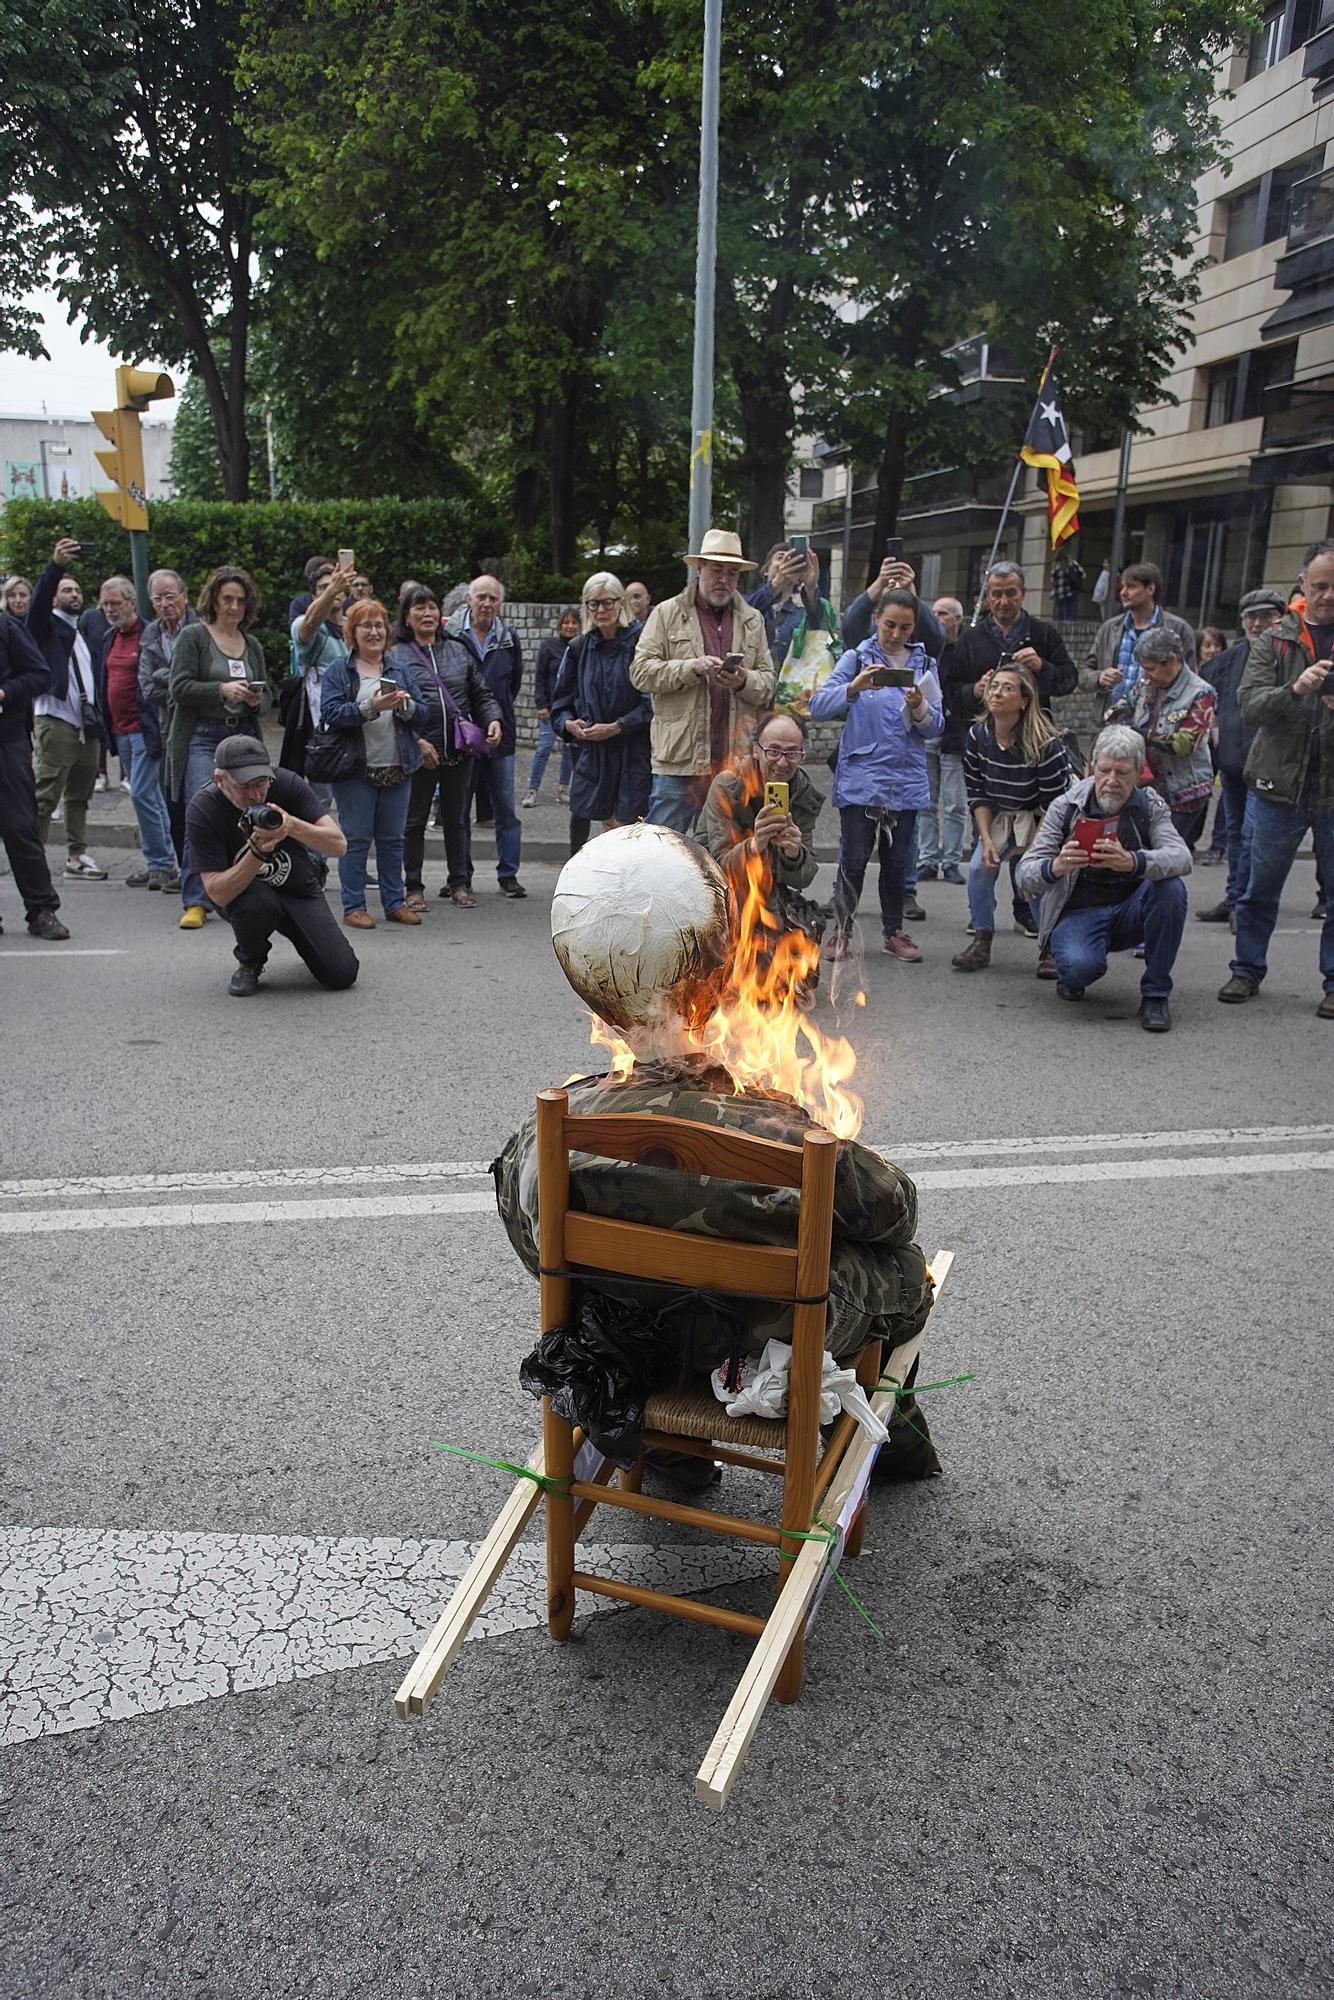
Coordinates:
[435,541]
[124,162]
[196,468]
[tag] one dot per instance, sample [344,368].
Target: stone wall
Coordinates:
[533,622]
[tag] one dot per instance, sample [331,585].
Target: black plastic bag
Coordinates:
[601,1368]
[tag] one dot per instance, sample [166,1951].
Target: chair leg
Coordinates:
[856,1535]
[558,1454]
[868,1374]
[630,1479]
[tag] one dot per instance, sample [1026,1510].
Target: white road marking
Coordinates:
[102,1627]
[81,951]
[224,1180]
[202,1215]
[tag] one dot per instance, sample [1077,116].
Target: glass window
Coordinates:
[1267,368]
[1220,394]
[1243,217]
[1266,43]
[1282,181]
[811,482]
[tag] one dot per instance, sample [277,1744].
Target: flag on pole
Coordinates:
[1047,444]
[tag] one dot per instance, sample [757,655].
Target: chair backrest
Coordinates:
[797,1276]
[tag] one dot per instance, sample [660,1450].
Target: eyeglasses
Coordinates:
[778,753]
[602,603]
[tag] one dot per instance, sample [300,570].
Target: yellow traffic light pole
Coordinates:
[136,388]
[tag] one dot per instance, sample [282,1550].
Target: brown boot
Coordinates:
[978,955]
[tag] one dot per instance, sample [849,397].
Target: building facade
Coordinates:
[51,458]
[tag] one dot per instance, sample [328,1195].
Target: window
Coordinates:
[1266,43]
[811,482]
[1261,212]
[1284,26]
[1236,389]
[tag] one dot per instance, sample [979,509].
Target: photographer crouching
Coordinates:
[260,839]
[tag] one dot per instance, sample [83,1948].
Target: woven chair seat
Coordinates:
[697,1413]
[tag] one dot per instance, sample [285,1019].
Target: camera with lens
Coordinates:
[264,817]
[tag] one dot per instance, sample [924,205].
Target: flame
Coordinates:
[761,1032]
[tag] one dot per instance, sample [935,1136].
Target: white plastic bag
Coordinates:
[763,1391]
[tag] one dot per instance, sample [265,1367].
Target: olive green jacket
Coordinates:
[194,694]
[1287,726]
[878,1282]
[735,797]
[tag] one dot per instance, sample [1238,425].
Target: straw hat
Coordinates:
[721,547]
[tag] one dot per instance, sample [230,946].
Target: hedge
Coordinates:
[437,541]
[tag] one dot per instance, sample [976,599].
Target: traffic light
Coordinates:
[136,388]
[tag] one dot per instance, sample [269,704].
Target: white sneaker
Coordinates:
[84,866]
[529,799]
[100,782]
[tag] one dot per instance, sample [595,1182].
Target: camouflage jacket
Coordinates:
[878,1283]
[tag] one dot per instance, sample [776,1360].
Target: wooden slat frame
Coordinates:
[683,1147]
[639,1250]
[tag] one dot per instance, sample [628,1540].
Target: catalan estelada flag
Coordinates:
[1047,443]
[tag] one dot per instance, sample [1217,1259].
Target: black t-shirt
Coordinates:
[219,833]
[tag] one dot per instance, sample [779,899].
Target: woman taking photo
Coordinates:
[218,687]
[450,683]
[1014,765]
[380,707]
[596,708]
[881,782]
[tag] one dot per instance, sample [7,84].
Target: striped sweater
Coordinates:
[1001,779]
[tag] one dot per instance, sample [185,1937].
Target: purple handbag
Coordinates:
[468,739]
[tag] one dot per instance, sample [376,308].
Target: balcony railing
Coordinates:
[1312,214]
[1299,413]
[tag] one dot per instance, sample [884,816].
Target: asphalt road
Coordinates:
[1090,1755]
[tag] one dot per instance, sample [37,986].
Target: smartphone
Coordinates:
[894,548]
[732,661]
[1088,832]
[87,550]
[388,685]
[893,677]
[776,793]
[346,559]
[799,545]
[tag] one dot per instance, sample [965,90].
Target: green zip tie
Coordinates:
[920,1388]
[546,1480]
[822,1532]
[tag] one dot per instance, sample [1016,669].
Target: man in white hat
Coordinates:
[704,659]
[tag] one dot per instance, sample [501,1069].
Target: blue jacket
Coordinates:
[501,662]
[882,752]
[340,687]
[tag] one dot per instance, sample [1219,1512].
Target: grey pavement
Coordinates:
[1090,1756]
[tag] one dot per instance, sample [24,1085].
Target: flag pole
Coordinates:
[1009,498]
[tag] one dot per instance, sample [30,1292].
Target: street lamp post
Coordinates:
[706,252]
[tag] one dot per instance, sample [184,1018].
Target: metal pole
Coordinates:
[1119,516]
[139,571]
[706,254]
[847,533]
[268,441]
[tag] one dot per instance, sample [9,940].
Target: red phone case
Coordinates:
[1088,832]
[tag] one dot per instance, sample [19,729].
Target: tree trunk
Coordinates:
[767,429]
[528,494]
[562,431]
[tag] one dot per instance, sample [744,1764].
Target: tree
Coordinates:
[124,161]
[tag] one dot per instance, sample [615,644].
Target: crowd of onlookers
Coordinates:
[694,713]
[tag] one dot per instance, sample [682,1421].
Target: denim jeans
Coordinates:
[150,808]
[1276,834]
[509,828]
[1234,810]
[892,834]
[546,743]
[676,801]
[982,888]
[1154,916]
[937,847]
[369,813]
[198,773]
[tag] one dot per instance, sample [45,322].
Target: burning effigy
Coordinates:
[701,999]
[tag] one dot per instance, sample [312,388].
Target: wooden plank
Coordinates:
[802,1454]
[676,1510]
[732,1739]
[684,1147]
[663,1600]
[553,1198]
[638,1250]
[727,1454]
[474,1587]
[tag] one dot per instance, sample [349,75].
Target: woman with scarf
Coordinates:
[597,710]
[881,783]
[1174,712]
[1014,765]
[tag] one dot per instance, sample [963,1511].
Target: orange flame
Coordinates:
[761,1032]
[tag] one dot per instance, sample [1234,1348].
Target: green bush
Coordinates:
[436,541]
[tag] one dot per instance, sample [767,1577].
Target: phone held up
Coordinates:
[893,677]
[799,545]
[1088,832]
[777,794]
[346,559]
[894,548]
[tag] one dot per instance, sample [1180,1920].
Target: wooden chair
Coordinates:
[824,1493]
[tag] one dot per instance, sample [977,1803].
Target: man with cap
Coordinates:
[1260,612]
[1287,698]
[261,840]
[704,659]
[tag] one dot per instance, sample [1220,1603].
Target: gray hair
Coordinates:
[174,574]
[1157,647]
[121,585]
[603,584]
[1004,569]
[1120,741]
[486,577]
